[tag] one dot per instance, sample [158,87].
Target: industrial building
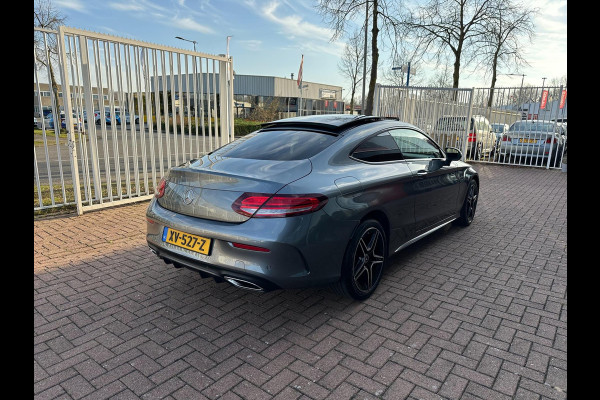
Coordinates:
[249,91]
[254,90]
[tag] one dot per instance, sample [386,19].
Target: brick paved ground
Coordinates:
[469,313]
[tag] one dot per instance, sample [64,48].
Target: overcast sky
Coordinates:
[270,36]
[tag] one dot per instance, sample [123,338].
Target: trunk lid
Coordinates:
[206,188]
[530,137]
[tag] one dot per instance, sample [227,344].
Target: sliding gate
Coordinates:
[527,124]
[136,109]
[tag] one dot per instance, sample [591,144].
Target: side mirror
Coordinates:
[453,154]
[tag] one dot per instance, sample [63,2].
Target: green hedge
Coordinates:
[241,127]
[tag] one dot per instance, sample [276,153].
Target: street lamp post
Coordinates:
[520,90]
[187,40]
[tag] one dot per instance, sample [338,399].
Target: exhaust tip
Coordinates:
[242,284]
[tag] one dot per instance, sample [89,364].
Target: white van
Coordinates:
[450,129]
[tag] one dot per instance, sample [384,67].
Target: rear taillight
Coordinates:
[506,138]
[250,247]
[261,205]
[549,140]
[472,137]
[160,188]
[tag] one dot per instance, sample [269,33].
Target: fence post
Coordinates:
[552,141]
[231,102]
[469,113]
[68,118]
[223,103]
[376,100]
[91,128]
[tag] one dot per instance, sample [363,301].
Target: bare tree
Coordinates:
[554,86]
[45,45]
[338,13]
[509,22]
[442,78]
[562,81]
[350,65]
[448,26]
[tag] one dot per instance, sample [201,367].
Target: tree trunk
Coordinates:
[56,104]
[493,85]
[374,61]
[456,73]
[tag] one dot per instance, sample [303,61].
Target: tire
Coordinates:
[97,122]
[467,212]
[364,261]
[492,153]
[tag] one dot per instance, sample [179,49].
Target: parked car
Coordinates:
[46,121]
[310,201]
[51,119]
[107,116]
[77,122]
[499,129]
[450,129]
[529,139]
[127,118]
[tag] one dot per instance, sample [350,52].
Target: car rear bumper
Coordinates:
[517,150]
[288,264]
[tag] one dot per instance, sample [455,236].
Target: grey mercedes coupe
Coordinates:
[310,201]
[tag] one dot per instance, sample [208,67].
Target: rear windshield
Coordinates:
[280,145]
[532,127]
[453,124]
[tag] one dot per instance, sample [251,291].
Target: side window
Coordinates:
[486,126]
[378,148]
[478,127]
[415,145]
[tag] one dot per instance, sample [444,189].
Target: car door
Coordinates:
[435,191]
[386,180]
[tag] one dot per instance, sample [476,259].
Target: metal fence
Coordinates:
[130,110]
[477,121]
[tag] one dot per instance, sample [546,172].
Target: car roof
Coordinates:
[462,116]
[535,121]
[329,123]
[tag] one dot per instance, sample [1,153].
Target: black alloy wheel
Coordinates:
[467,213]
[364,261]
[479,151]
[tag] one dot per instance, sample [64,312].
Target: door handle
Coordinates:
[421,172]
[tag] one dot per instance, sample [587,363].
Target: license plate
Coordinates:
[188,241]
[527,140]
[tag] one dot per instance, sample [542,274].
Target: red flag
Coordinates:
[544,99]
[300,73]
[563,99]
